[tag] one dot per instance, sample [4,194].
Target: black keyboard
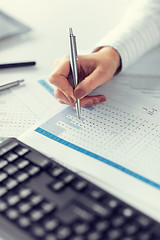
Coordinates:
[41,199]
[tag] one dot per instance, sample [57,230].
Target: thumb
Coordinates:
[95,79]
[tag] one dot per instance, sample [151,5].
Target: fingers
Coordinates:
[59,78]
[92,100]
[93,73]
[104,65]
[61,97]
[85,102]
[95,79]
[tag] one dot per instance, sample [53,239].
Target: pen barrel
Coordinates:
[18,64]
[10,85]
[78,109]
[73,59]
[74,67]
[7,86]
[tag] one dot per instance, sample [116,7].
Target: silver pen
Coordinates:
[73,62]
[10,85]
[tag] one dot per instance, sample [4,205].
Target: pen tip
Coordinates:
[70,31]
[21,80]
[78,115]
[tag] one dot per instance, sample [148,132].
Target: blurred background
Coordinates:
[49,21]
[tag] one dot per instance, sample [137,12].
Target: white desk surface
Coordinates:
[50,20]
[48,40]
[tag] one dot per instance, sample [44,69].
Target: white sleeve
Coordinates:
[138,32]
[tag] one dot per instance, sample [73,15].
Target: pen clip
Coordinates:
[75,46]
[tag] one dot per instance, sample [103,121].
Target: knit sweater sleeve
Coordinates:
[137,33]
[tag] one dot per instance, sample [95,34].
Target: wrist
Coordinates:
[112,54]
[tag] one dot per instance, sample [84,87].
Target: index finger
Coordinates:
[59,77]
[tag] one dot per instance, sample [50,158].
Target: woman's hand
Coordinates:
[93,70]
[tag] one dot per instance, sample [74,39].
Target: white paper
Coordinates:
[22,106]
[124,130]
[127,133]
[148,85]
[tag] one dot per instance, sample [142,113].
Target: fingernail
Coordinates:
[95,101]
[102,99]
[61,102]
[79,93]
[89,103]
[71,100]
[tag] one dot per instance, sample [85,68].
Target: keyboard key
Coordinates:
[95,193]
[118,221]
[38,159]
[81,228]
[32,170]
[51,236]
[12,214]
[21,163]
[9,146]
[24,207]
[10,183]
[2,151]
[114,234]
[3,206]
[12,199]
[21,176]
[112,203]
[3,176]
[3,190]
[63,233]
[36,215]
[50,224]
[24,222]
[3,163]
[57,186]
[35,199]
[24,192]
[38,231]
[102,225]
[81,212]
[131,229]
[56,171]
[68,177]
[143,221]
[48,207]
[10,169]
[98,209]
[10,157]
[127,212]
[79,185]
[20,150]
[94,236]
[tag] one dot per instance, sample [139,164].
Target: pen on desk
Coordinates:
[17,64]
[10,85]
[73,62]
